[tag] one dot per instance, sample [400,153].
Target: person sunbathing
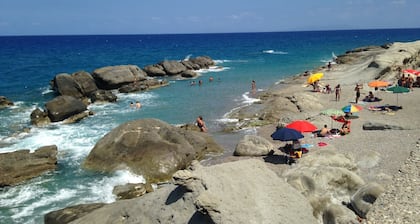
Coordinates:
[345,129]
[324,131]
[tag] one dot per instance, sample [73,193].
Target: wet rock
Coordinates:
[21,165]
[63,107]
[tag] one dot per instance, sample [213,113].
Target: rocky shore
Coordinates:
[368,176]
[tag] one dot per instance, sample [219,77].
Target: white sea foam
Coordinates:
[228,61]
[187,57]
[274,52]
[102,189]
[213,69]
[46,90]
[249,100]
[59,196]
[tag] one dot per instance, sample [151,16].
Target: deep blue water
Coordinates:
[28,63]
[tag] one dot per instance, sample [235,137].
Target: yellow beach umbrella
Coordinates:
[315,77]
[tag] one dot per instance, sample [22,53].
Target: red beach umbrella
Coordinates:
[302,126]
[411,71]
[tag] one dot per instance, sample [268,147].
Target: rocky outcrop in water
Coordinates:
[4,102]
[96,87]
[19,166]
[149,147]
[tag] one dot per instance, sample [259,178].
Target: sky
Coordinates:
[64,17]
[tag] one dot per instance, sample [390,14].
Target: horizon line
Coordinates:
[198,33]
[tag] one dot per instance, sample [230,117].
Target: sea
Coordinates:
[29,63]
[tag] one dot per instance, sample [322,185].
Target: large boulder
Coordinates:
[85,82]
[64,84]
[203,61]
[113,77]
[40,117]
[362,201]
[253,145]
[173,67]
[154,70]
[245,191]
[149,147]
[67,215]
[63,107]
[328,179]
[102,95]
[19,166]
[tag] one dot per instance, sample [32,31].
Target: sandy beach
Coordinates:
[388,157]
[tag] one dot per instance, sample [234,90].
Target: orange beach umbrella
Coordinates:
[378,83]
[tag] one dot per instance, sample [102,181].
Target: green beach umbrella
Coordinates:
[332,113]
[398,90]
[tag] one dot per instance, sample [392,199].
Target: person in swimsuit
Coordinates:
[201,124]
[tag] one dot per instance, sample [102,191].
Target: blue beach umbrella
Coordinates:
[286,134]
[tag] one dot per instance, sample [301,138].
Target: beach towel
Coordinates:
[322,144]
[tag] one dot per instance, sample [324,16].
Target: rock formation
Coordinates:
[149,147]
[245,191]
[4,102]
[21,165]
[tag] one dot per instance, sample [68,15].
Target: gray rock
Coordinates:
[173,67]
[4,102]
[63,107]
[380,126]
[64,84]
[149,147]
[69,214]
[364,198]
[245,191]
[253,145]
[85,82]
[154,70]
[189,74]
[39,118]
[101,95]
[19,166]
[113,77]
[131,190]
[203,61]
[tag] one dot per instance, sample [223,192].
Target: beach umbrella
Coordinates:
[302,126]
[398,90]
[378,83]
[286,134]
[315,77]
[351,108]
[411,71]
[333,113]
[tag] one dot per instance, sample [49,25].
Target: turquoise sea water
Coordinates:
[28,63]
